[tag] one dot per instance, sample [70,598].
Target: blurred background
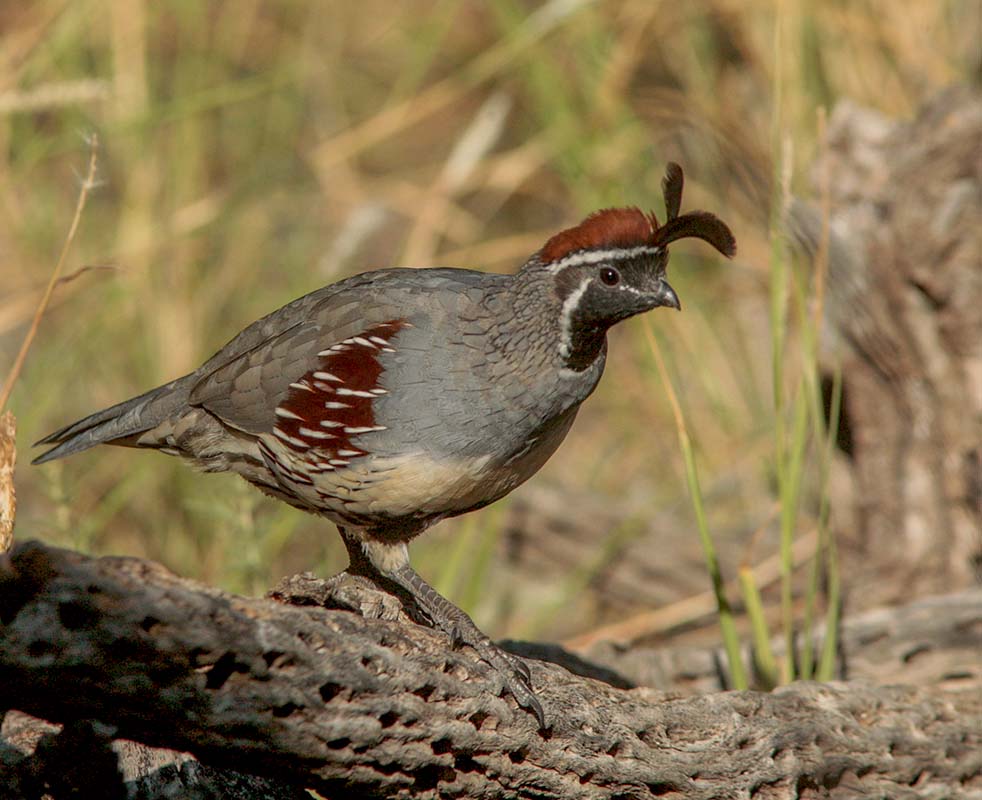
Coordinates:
[250,152]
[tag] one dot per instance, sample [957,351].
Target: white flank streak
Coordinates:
[287,438]
[355,393]
[565,320]
[330,423]
[305,386]
[327,376]
[323,387]
[362,341]
[350,453]
[316,434]
[325,353]
[378,340]
[286,413]
[379,390]
[332,404]
[596,256]
[367,429]
[323,466]
[338,462]
[339,347]
[388,350]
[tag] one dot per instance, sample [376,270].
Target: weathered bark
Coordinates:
[331,700]
[933,641]
[905,299]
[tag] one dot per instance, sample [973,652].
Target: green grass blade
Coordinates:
[767,669]
[731,641]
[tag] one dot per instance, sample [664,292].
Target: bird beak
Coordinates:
[665,295]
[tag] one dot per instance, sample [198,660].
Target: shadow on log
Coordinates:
[306,696]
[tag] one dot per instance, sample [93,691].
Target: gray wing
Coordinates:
[245,382]
[245,391]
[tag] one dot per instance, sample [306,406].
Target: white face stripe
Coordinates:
[566,316]
[596,256]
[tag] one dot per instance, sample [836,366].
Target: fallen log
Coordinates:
[307,696]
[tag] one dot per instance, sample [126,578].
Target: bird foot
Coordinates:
[444,615]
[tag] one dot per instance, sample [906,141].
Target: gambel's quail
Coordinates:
[394,399]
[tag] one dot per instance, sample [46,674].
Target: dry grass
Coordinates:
[253,151]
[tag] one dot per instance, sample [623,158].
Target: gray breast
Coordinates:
[454,392]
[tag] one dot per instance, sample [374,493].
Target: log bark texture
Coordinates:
[119,648]
[905,301]
[933,641]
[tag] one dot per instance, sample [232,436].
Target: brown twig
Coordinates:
[83,195]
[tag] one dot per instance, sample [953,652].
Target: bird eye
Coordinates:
[610,276]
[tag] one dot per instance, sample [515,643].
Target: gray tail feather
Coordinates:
[120,421]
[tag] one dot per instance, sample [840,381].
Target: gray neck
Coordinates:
[536,288]
[529,312]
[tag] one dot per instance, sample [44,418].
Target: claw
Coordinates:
[523,669]
[514,672]
[535,707]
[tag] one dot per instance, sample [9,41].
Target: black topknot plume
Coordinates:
[698,224]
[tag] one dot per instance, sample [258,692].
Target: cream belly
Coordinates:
[418,486]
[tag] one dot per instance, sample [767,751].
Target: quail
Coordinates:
[396,398]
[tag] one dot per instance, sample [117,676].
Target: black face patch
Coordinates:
[595,296]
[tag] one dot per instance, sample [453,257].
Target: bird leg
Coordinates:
[391,562]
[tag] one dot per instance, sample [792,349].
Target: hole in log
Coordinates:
[285,710]
[329,691]
[430,776]
[661,788]
[441,746]
[388,719]
[465,763]
[148,623]
[477,719]
[223,669]
[75,616]
[277,659]
[39,648]
[424,691]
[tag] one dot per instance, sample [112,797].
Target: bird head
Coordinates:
[613,265]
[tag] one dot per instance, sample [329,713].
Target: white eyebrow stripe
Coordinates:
[596,256]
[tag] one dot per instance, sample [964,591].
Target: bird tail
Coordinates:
[121,423]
